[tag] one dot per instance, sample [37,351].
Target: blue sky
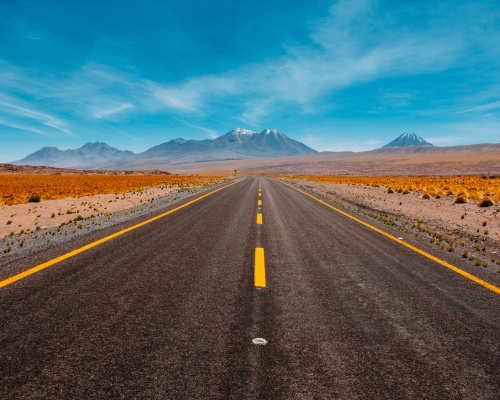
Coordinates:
[336,75]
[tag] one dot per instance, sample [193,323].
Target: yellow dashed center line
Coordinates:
[89,246]
[259,219]
[260,269]
[431,257]
[259,202]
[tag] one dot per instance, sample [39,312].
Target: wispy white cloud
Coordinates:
[184,100]
[210,132]
[352,46]
[484,107]
[114,110]
[22,127]
[30,114]
[129,136]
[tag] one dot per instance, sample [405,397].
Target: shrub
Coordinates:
[35,198]
[465,254]
[427,195]
[9,222]
[486,202]
[460,200]
[473,195]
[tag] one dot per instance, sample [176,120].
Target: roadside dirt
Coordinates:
[47,214]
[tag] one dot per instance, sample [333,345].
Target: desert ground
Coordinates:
[48,214]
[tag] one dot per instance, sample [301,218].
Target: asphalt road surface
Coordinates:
[169,309]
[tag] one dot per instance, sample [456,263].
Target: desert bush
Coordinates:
[34,198]
[474,195]
[486,202]
[460,200]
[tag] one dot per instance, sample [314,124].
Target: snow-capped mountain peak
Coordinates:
[408,139]
[272,131]
[241,131]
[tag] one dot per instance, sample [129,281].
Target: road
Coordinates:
[169,310]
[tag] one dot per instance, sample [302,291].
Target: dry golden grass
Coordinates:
[18,188]
[464,188]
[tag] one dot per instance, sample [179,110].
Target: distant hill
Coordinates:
[89,154]
[238,144]
[408,139]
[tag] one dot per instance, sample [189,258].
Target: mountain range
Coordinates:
[237,144]
[89,154]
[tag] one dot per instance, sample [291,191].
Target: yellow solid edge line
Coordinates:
[260,269]
[259,218]
[31,271]
[439,261]
[259,203]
